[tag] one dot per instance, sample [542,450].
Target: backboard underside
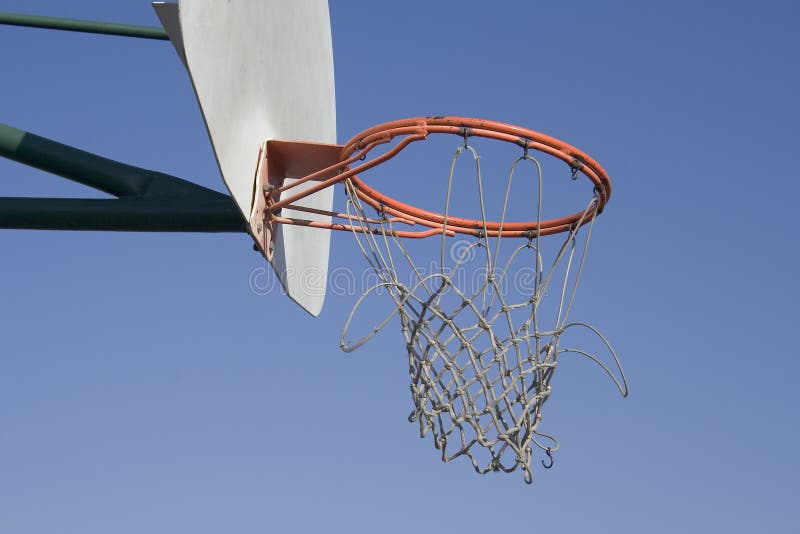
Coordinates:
[263,70]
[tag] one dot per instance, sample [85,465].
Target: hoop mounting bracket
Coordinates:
[277,161]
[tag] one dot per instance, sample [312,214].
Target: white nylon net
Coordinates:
[481,357]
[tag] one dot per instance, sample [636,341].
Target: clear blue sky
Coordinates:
[145,387]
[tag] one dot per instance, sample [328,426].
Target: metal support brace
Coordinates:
[148,201]
[85,26]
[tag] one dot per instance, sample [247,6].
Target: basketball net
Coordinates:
[481,358]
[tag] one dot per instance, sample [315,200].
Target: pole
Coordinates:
[85,26]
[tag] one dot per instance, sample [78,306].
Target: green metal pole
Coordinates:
[100,173]
[106,175]
[203,213]
[86,26]
[150,201]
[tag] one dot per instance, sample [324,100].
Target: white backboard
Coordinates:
[263,69]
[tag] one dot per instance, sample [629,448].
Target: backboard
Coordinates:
[263,70]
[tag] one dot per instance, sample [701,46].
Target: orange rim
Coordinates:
[467,127]
[417,129]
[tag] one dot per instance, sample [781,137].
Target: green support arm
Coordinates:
[86,26]
[148,201]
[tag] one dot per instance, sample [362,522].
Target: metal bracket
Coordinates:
[278,160]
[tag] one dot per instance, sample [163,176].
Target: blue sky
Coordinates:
[145,386]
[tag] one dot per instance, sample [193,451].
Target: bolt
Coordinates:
[259,228]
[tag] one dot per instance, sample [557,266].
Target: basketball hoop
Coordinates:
[481,360]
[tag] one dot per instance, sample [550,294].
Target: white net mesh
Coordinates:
[484,329]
